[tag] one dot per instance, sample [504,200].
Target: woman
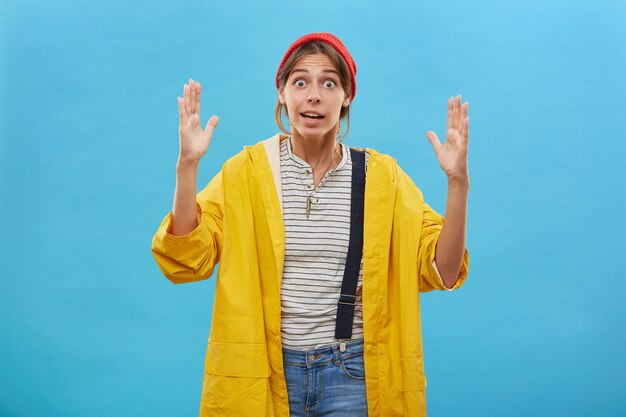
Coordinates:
[323,252]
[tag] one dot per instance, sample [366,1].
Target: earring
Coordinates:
[339,131]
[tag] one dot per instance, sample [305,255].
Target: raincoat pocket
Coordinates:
[236,380]
[413,378]
[237,359]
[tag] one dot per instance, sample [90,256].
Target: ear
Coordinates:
[281,94]
[346,102]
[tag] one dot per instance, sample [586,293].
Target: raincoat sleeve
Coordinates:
[429,278]
[439,275]
[193,256]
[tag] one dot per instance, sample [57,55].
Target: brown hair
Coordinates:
[315,47]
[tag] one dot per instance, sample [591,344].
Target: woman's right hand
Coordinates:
[194,141]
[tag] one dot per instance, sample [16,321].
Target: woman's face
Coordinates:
[313,89]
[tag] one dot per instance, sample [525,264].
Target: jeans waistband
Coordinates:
[322,354]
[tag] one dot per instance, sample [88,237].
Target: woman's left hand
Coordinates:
[452,155]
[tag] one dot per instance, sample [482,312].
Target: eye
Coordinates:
[299,83]
[329,84]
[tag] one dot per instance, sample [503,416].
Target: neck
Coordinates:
[317,151]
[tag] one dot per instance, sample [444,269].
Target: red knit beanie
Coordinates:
[333,41]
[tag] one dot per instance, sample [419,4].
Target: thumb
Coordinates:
[212,122]
[434,140]
[210,126]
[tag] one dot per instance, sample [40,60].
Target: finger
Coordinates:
[182,114]
[457,111]
[199,91]
[465,120]
[433,139]
[192,96]
[465,129]
[450,112]
[453,114]
[187,101]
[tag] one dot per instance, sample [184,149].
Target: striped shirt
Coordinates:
[316,251]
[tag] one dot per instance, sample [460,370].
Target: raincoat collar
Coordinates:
[269,150]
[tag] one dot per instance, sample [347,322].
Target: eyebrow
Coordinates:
[327,70]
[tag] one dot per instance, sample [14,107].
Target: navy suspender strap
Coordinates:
[347,297]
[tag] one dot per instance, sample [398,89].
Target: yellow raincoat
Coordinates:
[241,226]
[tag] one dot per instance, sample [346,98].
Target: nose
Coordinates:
[314,96]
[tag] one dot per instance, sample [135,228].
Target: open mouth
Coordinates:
[312,115]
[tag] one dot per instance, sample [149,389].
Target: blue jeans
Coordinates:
[326,382]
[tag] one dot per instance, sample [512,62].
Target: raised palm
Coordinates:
[194,141]
[452,155]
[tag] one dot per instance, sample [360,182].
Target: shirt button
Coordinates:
[281,395]
[373,164]
[309,186]
[277,241]
[369,254]
[369,347]
[306,172]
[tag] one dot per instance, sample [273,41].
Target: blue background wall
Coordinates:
[89,143]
